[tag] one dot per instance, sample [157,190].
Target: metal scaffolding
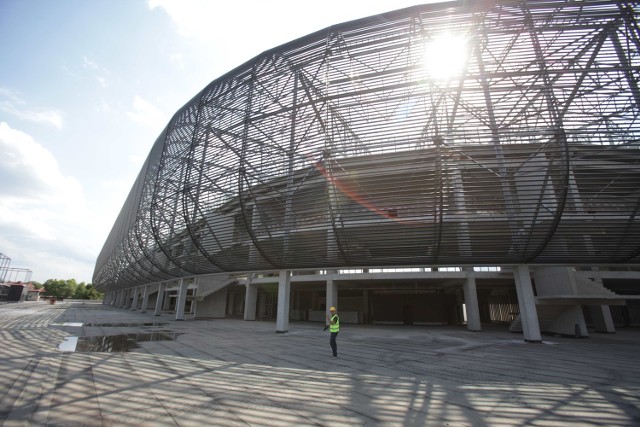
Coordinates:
[462,133]
[14,274]
[5,261]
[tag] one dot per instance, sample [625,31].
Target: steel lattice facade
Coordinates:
[341,149]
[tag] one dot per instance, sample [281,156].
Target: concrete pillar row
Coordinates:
[145,299]
[332,293]
[471,301]
[123,298]
[134,300]
[527,304]
[284,293]
[182,299]
[602,319]
[250,300]
[160,299]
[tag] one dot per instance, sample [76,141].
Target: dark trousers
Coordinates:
[332,343]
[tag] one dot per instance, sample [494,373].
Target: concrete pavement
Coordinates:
[235,373]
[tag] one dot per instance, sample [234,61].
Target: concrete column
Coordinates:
[250,300]
[123,301]
[160,299]
[134,301]
[365,306]
[527,304]
[194,303]
[284,291]
[182,299]
[145,299]
[602,319]
[471,301]
[332,293]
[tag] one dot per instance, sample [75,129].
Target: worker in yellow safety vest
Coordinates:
[334,328]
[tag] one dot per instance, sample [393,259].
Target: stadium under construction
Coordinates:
[451,163]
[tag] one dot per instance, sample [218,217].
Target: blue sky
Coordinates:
[86,86]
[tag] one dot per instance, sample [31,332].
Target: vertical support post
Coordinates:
[284,288]
[166,305]
[145,299]
[332,292]
[365,306]
[250,300]
[160,299]
[125,298]
[527,303]
[182,299]
[602,319]
[471,301]
[134,300]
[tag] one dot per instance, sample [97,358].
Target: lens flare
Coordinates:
[445,56]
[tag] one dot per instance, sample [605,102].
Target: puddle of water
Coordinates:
[112,343]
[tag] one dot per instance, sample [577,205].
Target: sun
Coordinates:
[445,56]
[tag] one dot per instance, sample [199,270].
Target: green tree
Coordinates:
[80,291]
[71,289]
[60,288]
[92,293]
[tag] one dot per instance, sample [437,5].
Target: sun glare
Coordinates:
[445,56]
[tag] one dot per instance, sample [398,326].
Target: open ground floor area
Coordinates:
[90,364]
[532,301]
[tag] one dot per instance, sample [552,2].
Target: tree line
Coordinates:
[62,289]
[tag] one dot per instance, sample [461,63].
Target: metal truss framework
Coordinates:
[5,261]
[342,149]
[13,274]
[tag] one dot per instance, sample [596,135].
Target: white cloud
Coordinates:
[99,72]
[45,223]
[178,59]
[102,82]
[192,18]
[87,63]
[227,34]
[30,170]
[12,103]
[145,113]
